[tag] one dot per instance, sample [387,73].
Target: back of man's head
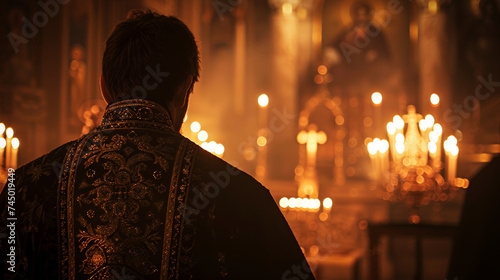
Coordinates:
[147,43]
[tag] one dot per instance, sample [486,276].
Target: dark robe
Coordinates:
[476,249]
[134,199]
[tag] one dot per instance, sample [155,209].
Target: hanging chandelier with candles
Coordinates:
[409,164]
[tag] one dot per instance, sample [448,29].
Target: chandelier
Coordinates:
[409,167]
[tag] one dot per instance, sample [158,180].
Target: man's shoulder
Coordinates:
[215,168]
[46,164]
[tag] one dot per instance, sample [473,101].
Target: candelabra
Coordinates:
[409,165]
[9,147]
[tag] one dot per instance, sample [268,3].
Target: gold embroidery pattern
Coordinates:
[174,222]
[114,196]
[62,209]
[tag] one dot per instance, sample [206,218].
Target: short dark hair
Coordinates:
[148,39]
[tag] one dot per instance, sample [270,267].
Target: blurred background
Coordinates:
[309,96]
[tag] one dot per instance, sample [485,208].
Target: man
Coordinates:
[134,199]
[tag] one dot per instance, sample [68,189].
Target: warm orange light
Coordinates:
[284,202]
[429,119]
[438,129]
[433,136]
[453,140]
[321,137]
[302,137]
[322,69]
[263,100]
[219,149]
[432,147]
[400,147]
[9,132]
[400,138]
[287,8]
[372,148]
[15,143]
[398,121]
[391,128]
[434,99]
[327,203]
[3,143]
[432,6]
[292,203]
[202,135]
[261,141]
[195,127]
[423,125]
[2,128]
[377,98]
[383,146]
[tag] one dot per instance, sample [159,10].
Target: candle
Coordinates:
[377,103]
[3,143]
[452,167]
[8,154]
[391,132]
[261,169]
[195,128]
[399,123]
[383,151]
[451,149]
[437,159]
[373,151]
[15,148]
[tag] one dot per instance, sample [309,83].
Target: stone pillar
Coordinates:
[435,41]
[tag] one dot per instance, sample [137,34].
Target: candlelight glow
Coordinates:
[383,146]
[400,147]
[432,147]
[434,99]
[302,137]
[287,8]
[327,203]
[377,98]
[400,138]
[3,143]
[263,100]
[391,128]
[322,69]
[15,143]
[433,136]
[2,128]
[453,140]
[372,148]
[429,119]
[321,137]
[398,121]
[438,129]
[261,141]
[9,132]
[195,127]
[415,148]
[202,135]
[423,125]
[219,149]
[284,202]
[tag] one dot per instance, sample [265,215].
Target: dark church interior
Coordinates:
[374,124]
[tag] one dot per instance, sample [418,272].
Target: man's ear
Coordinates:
[181,95]
[104,91]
